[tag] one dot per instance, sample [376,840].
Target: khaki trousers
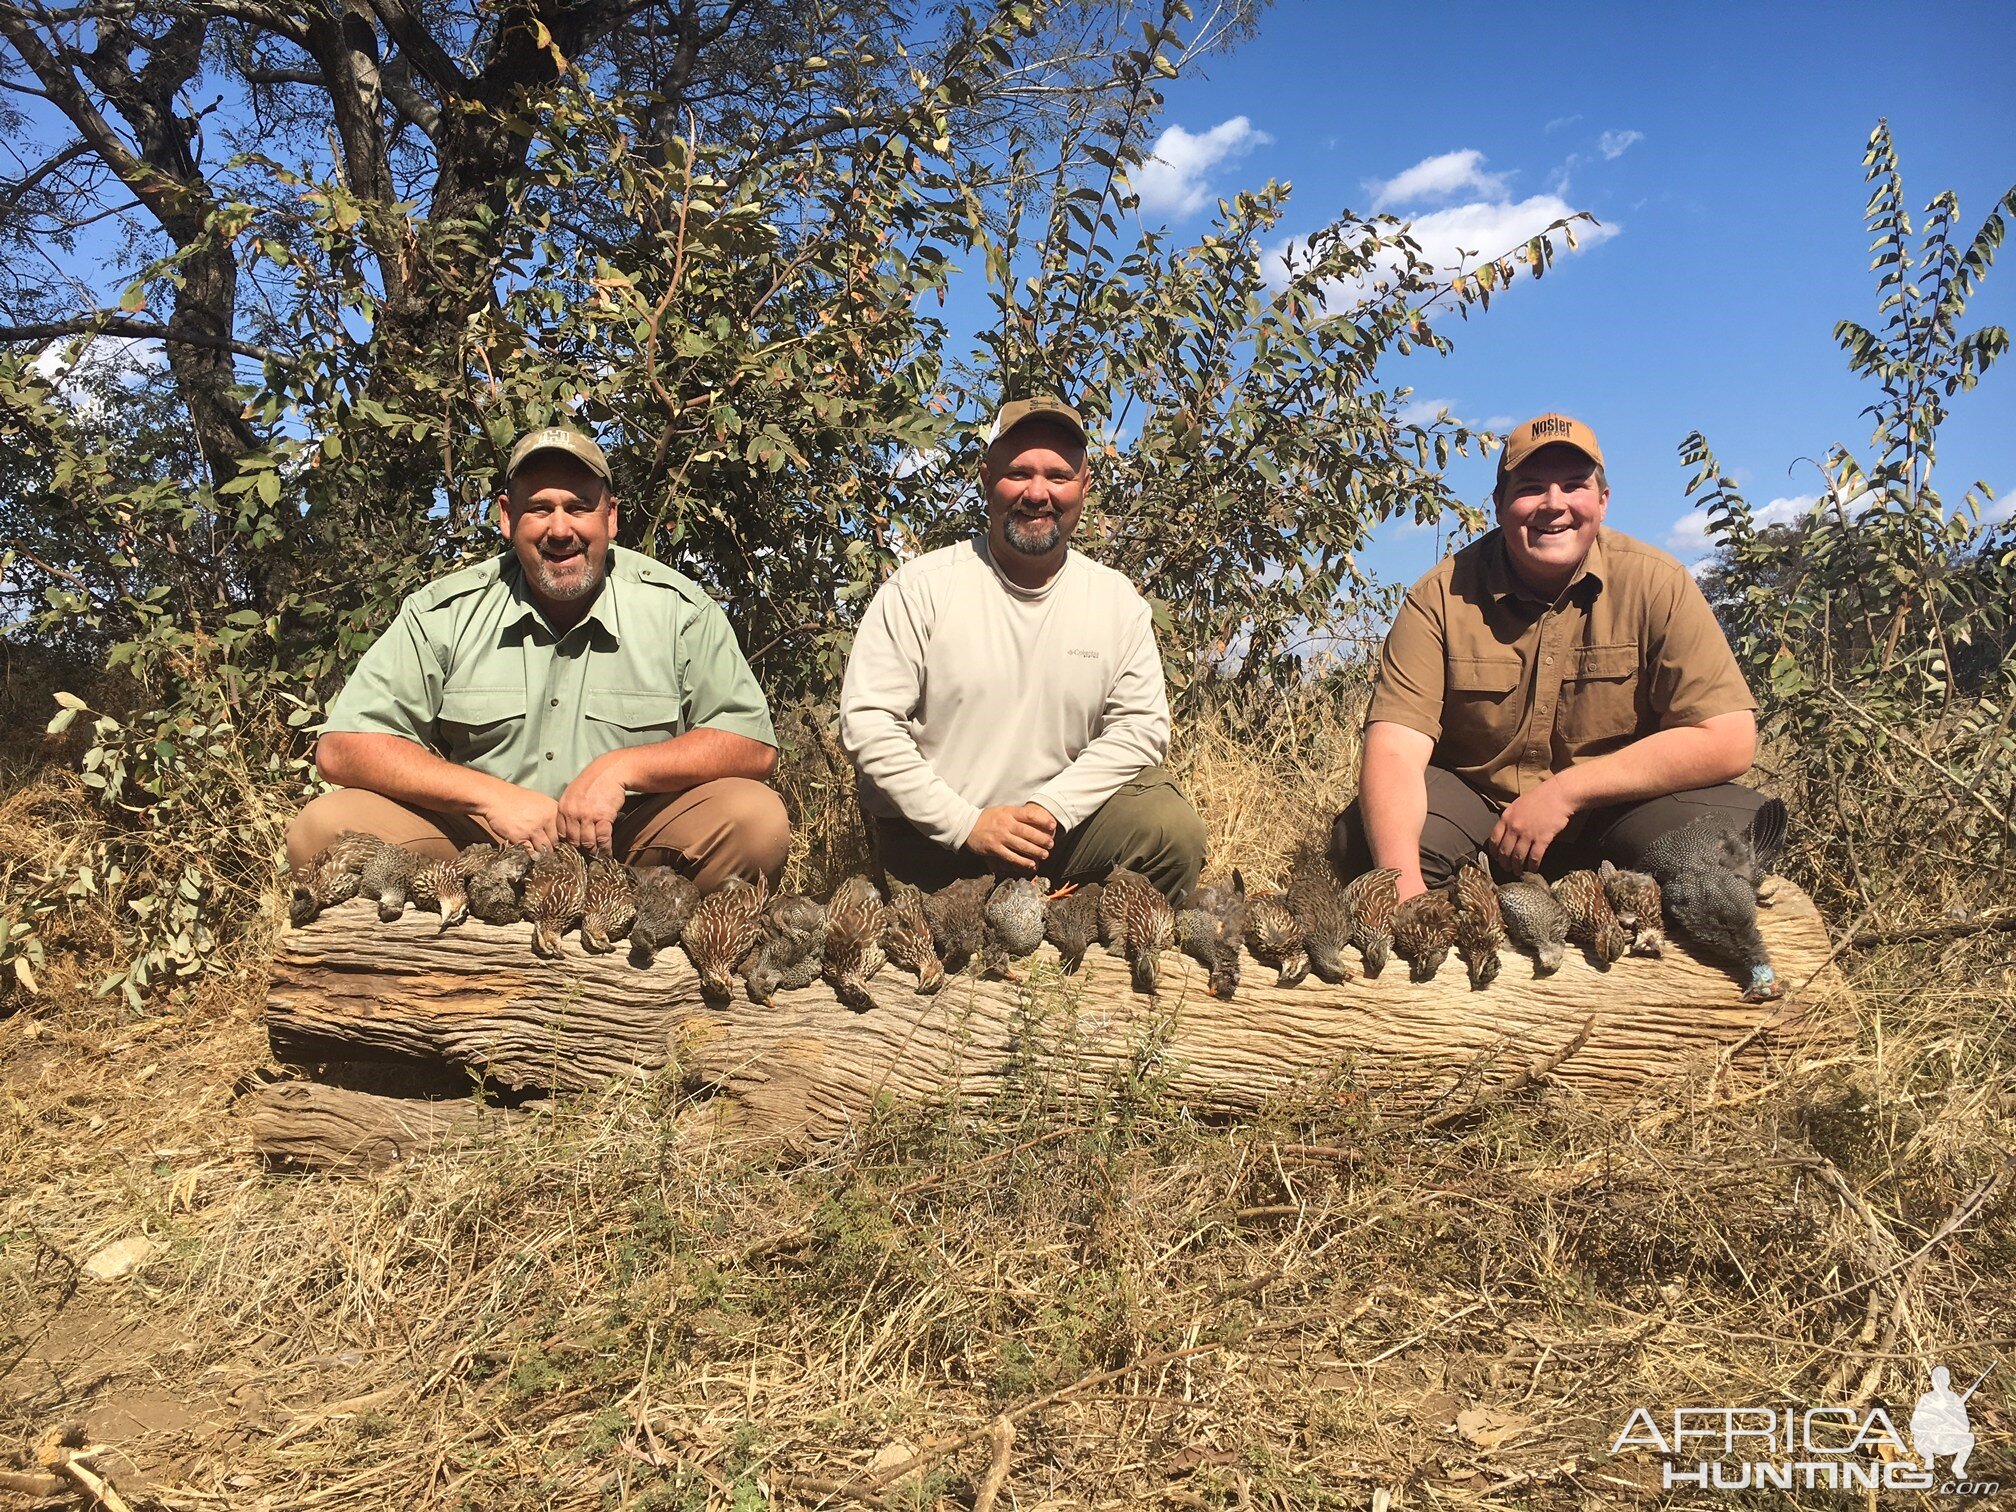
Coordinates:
[731,827]
[1148,826]
[1460,821]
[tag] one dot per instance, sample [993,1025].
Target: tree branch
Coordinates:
[144,330]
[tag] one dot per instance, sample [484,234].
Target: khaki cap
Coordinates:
[1548,430]
[1037,407]
[558,438]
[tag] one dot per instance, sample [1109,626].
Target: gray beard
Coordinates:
[564,585]
[1030,544]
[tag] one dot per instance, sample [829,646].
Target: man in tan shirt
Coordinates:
[1556,693]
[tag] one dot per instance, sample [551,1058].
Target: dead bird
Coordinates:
[1323,911]
[665,901]
[331,876]
[1274,936]
[388,877]
[1014,923]
[719,934]
[1136,920]
[957,913]
[1424,927]
[1373,899]
[1210,924]
[556,892]
[442,887]
[793,948]
[609,904]
[1480,923]
[1591,922]
[906,937]
[1710,880]
[1535,921]
[496,881]
[856,918]
[1634,898]
[1071,921]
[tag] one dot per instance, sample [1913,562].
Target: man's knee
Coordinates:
[1155,832]
[730,827]
[325,817]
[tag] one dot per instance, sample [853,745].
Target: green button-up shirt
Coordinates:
[472,669]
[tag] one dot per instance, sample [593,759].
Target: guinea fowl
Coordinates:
[1710,879]
[1136,920]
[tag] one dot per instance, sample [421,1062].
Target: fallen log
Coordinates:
[324,1128]
[477,1001]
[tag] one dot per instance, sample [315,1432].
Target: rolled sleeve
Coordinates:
[719,690]
[1693,671]
[1412,671]
[396,688]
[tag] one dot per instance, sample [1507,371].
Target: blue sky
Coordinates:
[1720,145]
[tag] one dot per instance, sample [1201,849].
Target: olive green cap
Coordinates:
[558,438]
[1037,407]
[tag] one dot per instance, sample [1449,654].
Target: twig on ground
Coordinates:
[1003,1434]
[1538,1071]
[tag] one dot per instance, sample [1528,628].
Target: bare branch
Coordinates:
[106,324]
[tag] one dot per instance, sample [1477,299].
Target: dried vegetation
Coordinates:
[1012,1304]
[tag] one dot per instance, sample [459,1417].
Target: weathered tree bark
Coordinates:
[349,989]
[304,1123]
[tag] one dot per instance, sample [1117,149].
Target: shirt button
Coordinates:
[1550,661]
[554,703]
[549,755]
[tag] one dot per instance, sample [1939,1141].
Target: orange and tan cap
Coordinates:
[1548,430]
[561,439]
[1036,407]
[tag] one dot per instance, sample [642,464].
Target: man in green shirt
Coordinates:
[568,690]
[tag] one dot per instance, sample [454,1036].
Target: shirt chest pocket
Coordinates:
[620,717]
[474,722]
[1599,697]
[1481,707]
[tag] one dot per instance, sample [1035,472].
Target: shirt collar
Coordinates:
[604,613]
[1501,584]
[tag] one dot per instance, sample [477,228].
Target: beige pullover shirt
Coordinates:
[965,691]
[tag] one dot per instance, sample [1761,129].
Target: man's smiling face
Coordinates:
[1036,478]
[1550,507]
[560,518]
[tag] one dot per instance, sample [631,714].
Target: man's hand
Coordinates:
[1014,837]
[587,810]
[1530,824]
[519,816]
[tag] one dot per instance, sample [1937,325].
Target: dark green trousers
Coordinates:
[1147,826]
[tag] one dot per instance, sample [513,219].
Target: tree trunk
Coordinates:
[476,1000]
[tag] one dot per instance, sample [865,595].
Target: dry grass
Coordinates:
[608,1307]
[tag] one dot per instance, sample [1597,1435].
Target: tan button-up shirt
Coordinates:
[1512,688]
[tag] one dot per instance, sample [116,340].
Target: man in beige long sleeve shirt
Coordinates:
[1004,703]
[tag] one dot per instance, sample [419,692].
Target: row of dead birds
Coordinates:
[1704,879]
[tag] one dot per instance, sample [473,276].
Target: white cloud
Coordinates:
[1560,121]
[1614,144]
[1172,182]
[1439,177]
[81,370]
[2003,509]
[1459,235]
[1688,538]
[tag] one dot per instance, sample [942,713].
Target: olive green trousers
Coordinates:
[1147,826]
